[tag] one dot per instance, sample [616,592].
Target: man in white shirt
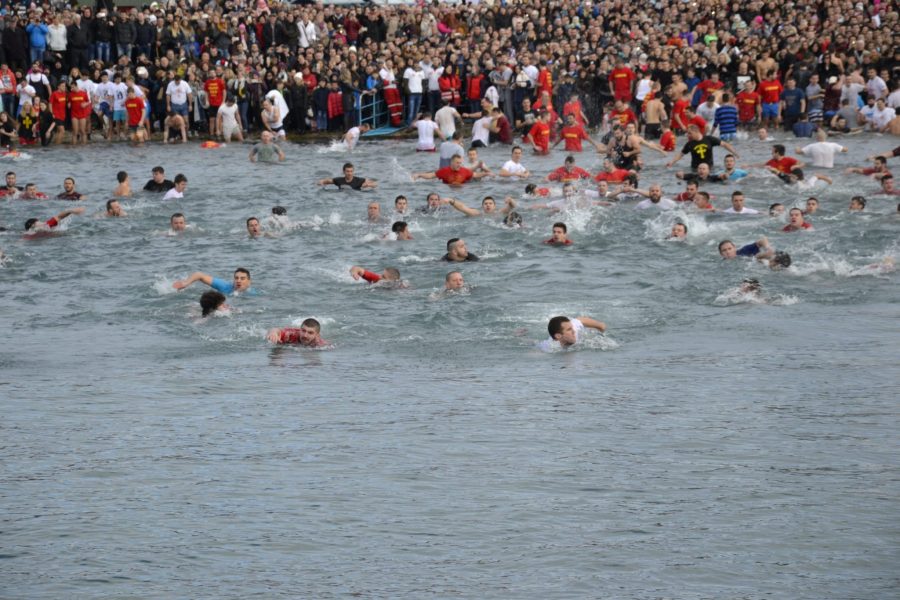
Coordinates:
[737,205]
[428,130]
[881,116]
[821,152]
[875,86]
[565,332]
[513,167]
[447,119]
[178,95]
[433,73]
[414,77]
[120,95]
[481,132]
[653,198]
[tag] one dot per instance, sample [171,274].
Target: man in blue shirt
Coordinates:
[793,104]
[241,282]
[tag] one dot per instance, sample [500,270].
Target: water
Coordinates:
[711,445]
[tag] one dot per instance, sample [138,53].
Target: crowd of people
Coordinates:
[616,76]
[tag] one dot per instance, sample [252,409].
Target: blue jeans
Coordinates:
[37,54]
[322,119]
[413,107]
[101,51]
[244,109]
[180,109]
[10,103]
[124,50]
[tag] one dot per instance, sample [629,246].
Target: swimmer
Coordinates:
[35,226]
[114,209]
[69,192]
[254,230]
[568,172]
[457,251]
[123,185]
[350,180]
[400,229]
[703,175]
[806,183]
[212,301]
[433,204]
[534,191]
[760,249]
[401,205]
[31,193]
[279,211]
[566,333]
[455,175]
[701,202]
[887,186]
[266,150]
[177,192]
[762,134]
[308,335]
[796,223]
[11,190]
[737,205]
[560,236]
[812,206]
[351,138]
[373,213]
[473,163]
[731,169]
[177,223]
[776,209]
[751,286]
[857,204]
[240,283]
[454,282]
[679,231]
[514,167]
[877,171]
[513,219]
[654,198]
[158,183]
[488,207]
[389,274]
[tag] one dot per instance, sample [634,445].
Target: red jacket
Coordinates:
[473,87]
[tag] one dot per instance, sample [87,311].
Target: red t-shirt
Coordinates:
[371,277]
[135,108]
[451,177]
[789,228]
[564,175]
[540,136]
[747,103]
[625,117]
[614,176]
[667,141]
[545,81]
[770,90]
[573,135]
[707,86]
[215,89]
[291,335]
[678,109]
[699,122]
[573,107]
[620,80]
[81,104]
[504,131]
[553,242]
[58,101]
[783,164]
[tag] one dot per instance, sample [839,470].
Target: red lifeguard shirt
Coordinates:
[58,102]
[215,89]
[747,103]
[370,276]
[451,177]
[573,134]
[135,108]
[783,164]
[564,175]
[770,90]
[620,80]
[614,176]
[540,135]
[81,104]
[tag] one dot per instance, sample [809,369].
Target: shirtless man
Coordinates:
[114,209]
[123,187]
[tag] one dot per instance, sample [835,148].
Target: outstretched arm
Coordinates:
[71,211]
[198,276]
[675,160]
[426,175]
[592,323]
[461,207]
[369,183]
[730,148]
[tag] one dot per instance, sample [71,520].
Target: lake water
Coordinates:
[708,446]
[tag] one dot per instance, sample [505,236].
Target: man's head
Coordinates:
[113,208]
[309,332]
[655,192]
[516,153]
[266,137]
[727,249]
[812,205]
[560,233]
[880,163]
[210,301]
[730,161]
[11,179]
[781,260]
[456,162]
[69,185]
[373,211]
[456,249]
[796,216]
[857,203]
[778,150]
[454,281]
[776,209]
[679,231]
[177,222]
[488,205]
[122,176]
[180,182]
[887,184]
[703,170]
[694,132]
[401,204]
[159,174]
[737,201]
[253,227]
[348,170]
[391,274]
[562,330]
[401,230]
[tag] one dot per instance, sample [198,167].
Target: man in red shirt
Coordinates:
[622,114]
[500,126]
[389,274]
[797,222]
[308,334]
[568,172]
[560,236]
[679,120]
[455,175]
[710,86]
[134,106]
[748,103]
[611,173]
[573,132]
[770,93]
[59,102]
[544,81]
[34,227]
[215,92]
[573,107]
[781,164]
[539,135]
[621,80]
[694,119]
[80,105]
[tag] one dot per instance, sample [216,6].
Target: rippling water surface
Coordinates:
[709,445]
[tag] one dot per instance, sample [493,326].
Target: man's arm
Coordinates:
[195,277]
[369,183]
[672,162]
[592,323]
[730,148]
[461,207]
[253,155]
[280,152]
[274,335]
[426,175]
[509,205]
[765,249]
[71,211]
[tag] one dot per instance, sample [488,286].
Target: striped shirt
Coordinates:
[727,119]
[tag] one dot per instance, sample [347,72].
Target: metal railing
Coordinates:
[372,110]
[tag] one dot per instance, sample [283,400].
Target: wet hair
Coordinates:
[779,148]
[530,188]
[555,325]
[180,178]
[451,273]
[109,203]
[242,270]
[312,324]
[722,244]
[347,166]
[860,200]
[798,173]
[562,226]
[279,210]
[29,223]
[121,176]
[8,173]
[210,301]
[392,273]
[252,219]
[704,195]
[486,198]
[773,206]
[887,177]
[158,170]
[781,259]
[450,243]
[399,226]
[683,225]
[737,193]
[175,216]
[881,159]
[513,219]
[752,284]
[570,159]
[397,199]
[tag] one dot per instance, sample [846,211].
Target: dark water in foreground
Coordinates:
[708,446]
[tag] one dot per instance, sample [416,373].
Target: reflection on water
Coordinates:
[710,445]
